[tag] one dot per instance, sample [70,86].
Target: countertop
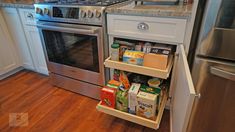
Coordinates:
[130,8]
[125,8]
[17,3]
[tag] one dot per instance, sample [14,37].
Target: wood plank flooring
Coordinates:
[52,109]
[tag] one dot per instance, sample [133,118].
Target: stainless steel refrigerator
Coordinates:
[213,70]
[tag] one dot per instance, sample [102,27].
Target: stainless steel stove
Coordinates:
[74,43]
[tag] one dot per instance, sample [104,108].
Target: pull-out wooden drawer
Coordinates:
[164,74]
[134,118]
[170,30]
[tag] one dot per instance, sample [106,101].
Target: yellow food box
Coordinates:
[146,105]
[133,57]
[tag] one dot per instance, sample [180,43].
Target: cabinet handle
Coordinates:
[30,15]
[222,73]
[143,26]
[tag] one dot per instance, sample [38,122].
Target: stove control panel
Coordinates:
[70,13]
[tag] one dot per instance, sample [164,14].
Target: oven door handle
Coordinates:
[71,29]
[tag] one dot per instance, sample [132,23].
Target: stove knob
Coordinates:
[38,10]
[90,14]
[97,14]
[83,13]
[46,11]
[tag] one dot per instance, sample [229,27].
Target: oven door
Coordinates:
[75,51]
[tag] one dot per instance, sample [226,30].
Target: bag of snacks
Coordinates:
[116,74]
[124,80]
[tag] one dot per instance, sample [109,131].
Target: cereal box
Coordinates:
[132,97]
[108,96]
[133,57]
[146,105]
[152,90]
[122,100]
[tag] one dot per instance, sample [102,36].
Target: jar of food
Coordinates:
[147,47]
[115,52]
[154,82]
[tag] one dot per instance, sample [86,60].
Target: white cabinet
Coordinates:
[36,49]
[17,33]
[182,94]
[33,39]
[153,28]
[21,24]
[9,58]
[182,91]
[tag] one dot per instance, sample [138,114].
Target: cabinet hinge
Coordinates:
[198,96]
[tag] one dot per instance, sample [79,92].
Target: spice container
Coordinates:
[115,52]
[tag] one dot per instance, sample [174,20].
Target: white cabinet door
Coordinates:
[16,30]
[9,59]
[183,93]
[27,16]
[36,49]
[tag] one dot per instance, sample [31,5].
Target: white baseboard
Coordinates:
[11,73]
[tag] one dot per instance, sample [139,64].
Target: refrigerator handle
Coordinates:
[222,73]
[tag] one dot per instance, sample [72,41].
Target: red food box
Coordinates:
[108,96]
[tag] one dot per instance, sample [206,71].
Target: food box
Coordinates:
[158,61]
[133,57]
[114,84]
[158,57]
[132,97]
[122,100]
[151,90]
[156,91]
[146,105]
[108,97]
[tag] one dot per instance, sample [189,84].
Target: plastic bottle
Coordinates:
[115,51]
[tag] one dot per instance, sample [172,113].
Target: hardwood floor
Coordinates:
[53,109]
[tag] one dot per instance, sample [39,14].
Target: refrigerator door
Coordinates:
[214,111]
[216,39]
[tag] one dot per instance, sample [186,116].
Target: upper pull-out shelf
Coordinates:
[164,74]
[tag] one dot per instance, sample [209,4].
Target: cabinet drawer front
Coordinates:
[27,16]
[160,29]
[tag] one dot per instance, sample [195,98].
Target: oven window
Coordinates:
[71,49]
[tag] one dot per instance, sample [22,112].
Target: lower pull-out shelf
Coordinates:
[134,118]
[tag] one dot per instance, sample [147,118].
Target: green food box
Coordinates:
[151,90]
[156,91]
[122,100]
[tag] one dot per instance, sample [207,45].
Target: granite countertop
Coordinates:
[130,8]
[125,8]
[17,3]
